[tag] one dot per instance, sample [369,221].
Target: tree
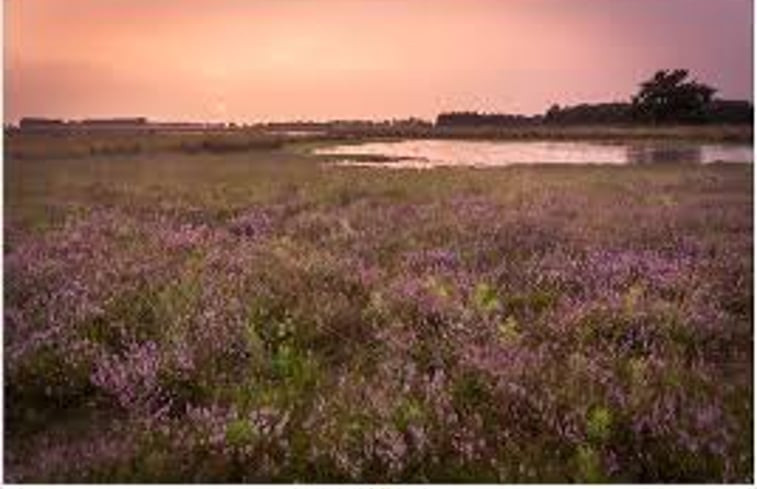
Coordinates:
[553,113]
[669,97]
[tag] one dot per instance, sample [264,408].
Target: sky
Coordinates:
[269,60]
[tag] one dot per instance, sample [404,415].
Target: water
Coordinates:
[435,153]
[296,132]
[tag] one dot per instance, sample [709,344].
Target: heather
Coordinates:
[257,316]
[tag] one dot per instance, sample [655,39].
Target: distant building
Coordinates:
[40,123]
[128,124]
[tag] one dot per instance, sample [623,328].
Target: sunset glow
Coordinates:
[264,60]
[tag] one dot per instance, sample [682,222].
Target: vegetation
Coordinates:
[257,316]
[476,119]
[666,98]
[29,146]
[69,144]
[669,97]
[609,113]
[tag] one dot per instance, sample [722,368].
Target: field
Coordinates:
[73,144]
[240,312]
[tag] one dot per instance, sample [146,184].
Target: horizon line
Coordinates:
[317,120]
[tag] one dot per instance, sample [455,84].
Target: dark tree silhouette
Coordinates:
[476,119]
[669,97]
[602,113]
[553,113]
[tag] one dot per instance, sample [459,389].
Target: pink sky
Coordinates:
[247,60]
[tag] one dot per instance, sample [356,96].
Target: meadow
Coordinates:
[77,144]
[192,312]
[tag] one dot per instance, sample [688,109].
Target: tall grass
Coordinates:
[62,144]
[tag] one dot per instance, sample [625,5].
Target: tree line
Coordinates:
[668,97]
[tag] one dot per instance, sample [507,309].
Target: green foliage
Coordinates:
[438,288]
[509,330]
[632,298]
[589,465]
[538,301]
[599,424]
[409,411]
[485,298]
[239,432]
[471,392]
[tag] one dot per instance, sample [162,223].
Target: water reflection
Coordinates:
[435,153]
[662,153]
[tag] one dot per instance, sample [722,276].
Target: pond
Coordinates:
[435,153]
